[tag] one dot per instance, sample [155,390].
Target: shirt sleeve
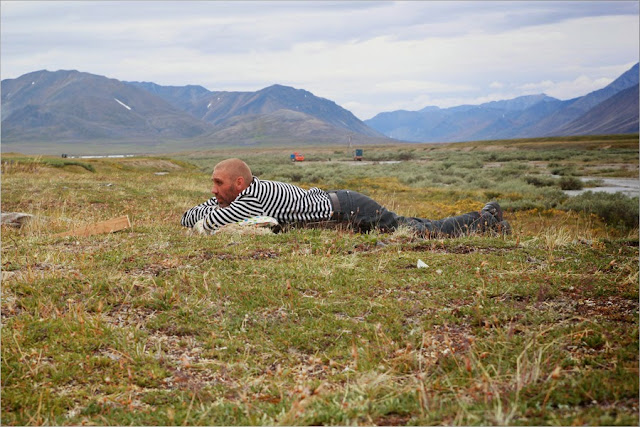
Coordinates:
[196,213]
[214,216]
[242,208]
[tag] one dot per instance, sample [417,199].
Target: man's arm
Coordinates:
[215,217]
[196,213]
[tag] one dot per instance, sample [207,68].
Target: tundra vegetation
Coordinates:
[154,326]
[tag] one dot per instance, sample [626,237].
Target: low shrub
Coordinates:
[295,177]
[492,195]
[510,171]
[540,181]
[405,155]
[615,209]
[564,170]
[471,164]
[523,205]
[570,183]
[592,183]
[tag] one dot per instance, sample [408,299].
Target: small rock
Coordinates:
[16,219]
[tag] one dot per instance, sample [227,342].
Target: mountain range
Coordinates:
[610,110]
[84,112]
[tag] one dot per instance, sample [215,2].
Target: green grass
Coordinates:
[153,326]
[32,163]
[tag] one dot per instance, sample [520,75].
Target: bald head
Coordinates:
[235,168]
[230,178]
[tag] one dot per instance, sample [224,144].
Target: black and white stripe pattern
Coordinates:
[285,202]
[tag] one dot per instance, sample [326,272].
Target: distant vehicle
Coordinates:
[357,154]
[64,156]
[297,157]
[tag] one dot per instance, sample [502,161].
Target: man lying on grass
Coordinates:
[238,196]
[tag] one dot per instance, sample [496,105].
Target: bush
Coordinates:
[615,209]
[523,205]
[470,164]
[295,177]
[594,183]
[405,155]
[564,171]
[540,181]
[570,183]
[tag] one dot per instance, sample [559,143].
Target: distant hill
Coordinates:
[218,107]
[522,117]
[182,97]
[617,114]
[273,115]
[77,110]
[81,107]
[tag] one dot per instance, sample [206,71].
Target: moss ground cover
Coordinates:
[154,326]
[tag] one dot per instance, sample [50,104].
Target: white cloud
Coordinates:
[567,89]
[366,56]
[538,87]
[414,86]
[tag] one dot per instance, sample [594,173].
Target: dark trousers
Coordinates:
[364,214]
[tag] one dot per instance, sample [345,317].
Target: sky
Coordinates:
[366,56]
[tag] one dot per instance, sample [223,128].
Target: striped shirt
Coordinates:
[285,202]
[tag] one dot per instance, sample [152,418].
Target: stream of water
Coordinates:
[627,186]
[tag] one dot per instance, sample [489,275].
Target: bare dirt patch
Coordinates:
[392,420]
[125,315]
[160,164]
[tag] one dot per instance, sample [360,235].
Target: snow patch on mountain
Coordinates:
[123,104]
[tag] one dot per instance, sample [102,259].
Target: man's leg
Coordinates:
[365,214]
[461,225]
[490,218]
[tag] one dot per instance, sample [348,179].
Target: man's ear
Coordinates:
[240,184]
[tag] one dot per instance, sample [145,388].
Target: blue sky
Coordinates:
[367,56]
